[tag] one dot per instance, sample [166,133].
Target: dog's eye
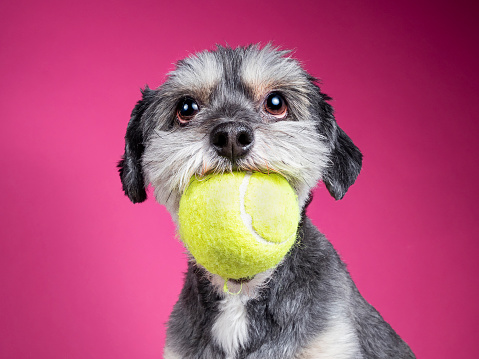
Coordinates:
[186,110]
[275,105]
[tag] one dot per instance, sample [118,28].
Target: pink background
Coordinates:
[86,274]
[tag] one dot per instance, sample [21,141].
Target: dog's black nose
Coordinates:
[232,140]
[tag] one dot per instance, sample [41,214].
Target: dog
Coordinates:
[253,109]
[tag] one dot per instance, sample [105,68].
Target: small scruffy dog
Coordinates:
[255,109]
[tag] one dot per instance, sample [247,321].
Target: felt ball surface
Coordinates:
[239,224]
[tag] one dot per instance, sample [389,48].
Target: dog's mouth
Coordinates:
[238,165]
[238,169]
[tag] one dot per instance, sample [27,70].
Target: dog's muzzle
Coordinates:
[232,140]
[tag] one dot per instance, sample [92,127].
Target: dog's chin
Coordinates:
[242,280]
[248,287]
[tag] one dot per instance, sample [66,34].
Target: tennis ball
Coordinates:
[238,224]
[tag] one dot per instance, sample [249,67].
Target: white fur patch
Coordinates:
[339,341]
[230,330]
[168,354]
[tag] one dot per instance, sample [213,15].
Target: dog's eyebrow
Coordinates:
[197,74]
[264,70]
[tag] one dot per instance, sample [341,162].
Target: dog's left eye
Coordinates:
[275,105]
[186,110]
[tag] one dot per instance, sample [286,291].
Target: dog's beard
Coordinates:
[293,149]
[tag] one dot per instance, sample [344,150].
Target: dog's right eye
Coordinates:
[276,106]
[186,110]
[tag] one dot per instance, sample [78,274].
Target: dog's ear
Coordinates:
[130,168]
[345,158]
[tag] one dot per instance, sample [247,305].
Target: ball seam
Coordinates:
[246,217]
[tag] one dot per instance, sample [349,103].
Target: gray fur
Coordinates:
[308,291]
[308,306]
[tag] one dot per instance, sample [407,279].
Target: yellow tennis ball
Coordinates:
[239,224]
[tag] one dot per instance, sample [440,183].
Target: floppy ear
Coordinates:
[345,157]
[130,169]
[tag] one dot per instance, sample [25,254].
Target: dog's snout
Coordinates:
[232,140]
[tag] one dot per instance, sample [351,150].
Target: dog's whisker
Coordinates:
[158,134]
[171,192]
[205,167]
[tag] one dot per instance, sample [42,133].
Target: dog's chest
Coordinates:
[230,329]
[339,341]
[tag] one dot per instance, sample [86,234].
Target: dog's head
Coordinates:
[243,109]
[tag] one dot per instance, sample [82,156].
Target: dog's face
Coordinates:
[243,109]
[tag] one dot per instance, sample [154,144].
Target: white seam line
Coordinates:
[246,217]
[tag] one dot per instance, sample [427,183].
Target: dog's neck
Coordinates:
[307,278]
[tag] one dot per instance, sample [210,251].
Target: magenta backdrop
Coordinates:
[87,274]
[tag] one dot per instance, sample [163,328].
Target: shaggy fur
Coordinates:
[306,307]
